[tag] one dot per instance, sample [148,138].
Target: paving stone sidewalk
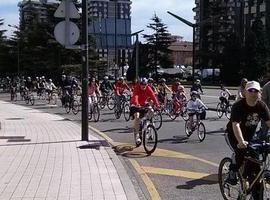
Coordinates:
[42,157]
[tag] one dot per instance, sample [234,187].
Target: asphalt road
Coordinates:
[180,168]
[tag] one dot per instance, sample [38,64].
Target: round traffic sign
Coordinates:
[60,33]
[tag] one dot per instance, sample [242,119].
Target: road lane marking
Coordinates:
[147,181]
[179,173]
[158,152]
[175,154]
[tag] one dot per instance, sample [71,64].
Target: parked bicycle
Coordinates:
[197,125]
[258,154]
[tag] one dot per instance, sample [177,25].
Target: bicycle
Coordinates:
[29,98]
[120,106]
[148,132]
[243,189]
[51,97]
[197,125]
[173,113]
[225,108]
[94,111]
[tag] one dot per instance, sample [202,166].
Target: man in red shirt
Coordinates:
[119,87]
[141,94]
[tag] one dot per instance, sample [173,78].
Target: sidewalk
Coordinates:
[42,157]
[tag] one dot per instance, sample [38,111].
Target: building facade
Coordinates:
[36,11]
[216,19]
[181,51]
[110,24]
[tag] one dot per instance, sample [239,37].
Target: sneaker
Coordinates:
[231,179]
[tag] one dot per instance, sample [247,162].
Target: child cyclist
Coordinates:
[224,95]
[193,106]
[179,99]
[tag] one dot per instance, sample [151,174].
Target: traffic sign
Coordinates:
[60,33]
[61,10]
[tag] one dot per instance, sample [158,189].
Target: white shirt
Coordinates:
[195,105]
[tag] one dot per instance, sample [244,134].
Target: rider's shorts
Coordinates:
[134,109]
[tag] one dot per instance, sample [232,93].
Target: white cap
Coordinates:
[253,85]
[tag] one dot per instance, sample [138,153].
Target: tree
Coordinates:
[158,44]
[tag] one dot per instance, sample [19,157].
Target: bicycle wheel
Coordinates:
[75,107]
[227,190]
[32,100]
[67,107]
[26,99]
[127,111]
[102,102]
[54,99]
[171,112]
[184,114]
[111,103]
[219,110]
[117,112]
[187,128]
[90,113]
[228,111]
[96,113]
[201,131]
[48,99]
[150,139]
[157,119]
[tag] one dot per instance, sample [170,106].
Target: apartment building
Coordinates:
[37,11]
[218,18]
[110,24]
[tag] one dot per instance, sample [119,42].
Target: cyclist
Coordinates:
[93,90]
[119,87]
[105,86]
[151,84]
[179,99]
[175,85]
[162,92]
[193,106]
[245,116]
[242,88]
[141,93]
[196,87]
[50,87]
[224,95]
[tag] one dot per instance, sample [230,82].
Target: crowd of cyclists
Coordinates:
[146,99]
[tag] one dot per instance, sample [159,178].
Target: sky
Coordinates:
[141,13]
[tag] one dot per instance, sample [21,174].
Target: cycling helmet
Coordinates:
[150,80]
[163,80]
[50,80]
[121,78]
[181,88]
[198,81]
[193,93]
[144,81]
[28,78]
[106,77]
[176,79]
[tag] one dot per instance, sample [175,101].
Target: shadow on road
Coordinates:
[207,180]
[174,140]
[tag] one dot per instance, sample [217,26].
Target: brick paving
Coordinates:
[42,157]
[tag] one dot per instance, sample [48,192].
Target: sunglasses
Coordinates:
[252,90]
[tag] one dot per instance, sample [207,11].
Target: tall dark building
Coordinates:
[110,24]
[216,19]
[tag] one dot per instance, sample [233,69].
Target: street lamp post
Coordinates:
[18,49]
[115,39]
[193,40]
[137,52]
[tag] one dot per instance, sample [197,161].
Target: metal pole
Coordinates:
[84,71]
[115,38]
[137,56]
[193,55]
